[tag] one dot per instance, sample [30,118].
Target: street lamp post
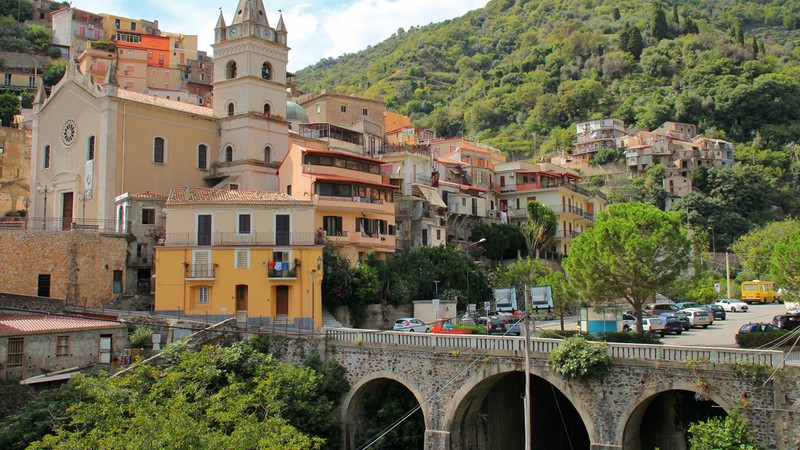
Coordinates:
[84,197]
[474,244]
[713,241]
[44,190]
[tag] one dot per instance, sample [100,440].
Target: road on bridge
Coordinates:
[719,334]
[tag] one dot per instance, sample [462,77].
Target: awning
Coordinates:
[432,195]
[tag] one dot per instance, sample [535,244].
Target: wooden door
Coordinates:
[66,211]
[241,297]
[105,349]
[282,298]
[282,225]
[204,229]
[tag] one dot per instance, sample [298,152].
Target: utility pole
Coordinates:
[728,273]
[527,402]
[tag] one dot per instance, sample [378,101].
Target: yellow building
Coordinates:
[354,202]
[248,253]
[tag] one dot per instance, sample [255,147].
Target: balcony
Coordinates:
[567,235]
[141,260]
[258,238]
[63,224]
[354,204]
[362,238]
[200,271]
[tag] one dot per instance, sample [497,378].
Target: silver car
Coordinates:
[411,324]
[697,318]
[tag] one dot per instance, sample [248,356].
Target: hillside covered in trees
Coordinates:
[523,69]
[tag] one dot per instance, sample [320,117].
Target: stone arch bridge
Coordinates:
[469,390]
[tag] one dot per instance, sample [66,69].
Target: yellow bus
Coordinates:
[759,292]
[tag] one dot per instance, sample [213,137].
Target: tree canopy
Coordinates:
[541,227]
[786,263]
[219,397]
[633,251]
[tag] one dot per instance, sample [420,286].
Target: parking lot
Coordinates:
[719,334]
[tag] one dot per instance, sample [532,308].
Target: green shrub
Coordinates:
[559,334]
[628,337]
[578,358]
[754,340]
[141,337]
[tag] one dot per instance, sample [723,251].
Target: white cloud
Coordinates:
[317,28]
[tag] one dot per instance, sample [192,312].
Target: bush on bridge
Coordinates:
[628,337]
[560,334]
[578,358]
[755,340]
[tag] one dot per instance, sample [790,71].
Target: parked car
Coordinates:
[698,317]
[658,308]
[494,324]
[680,315]
[732,304]
[628,322]
[685,305]
[758,328]
[672,324]
[411,324]
[716,311]
[513,326]
[653,324]
[787,321]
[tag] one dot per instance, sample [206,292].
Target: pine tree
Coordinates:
[659,27]
[689,26]
[624,37]
[635,42]
[675,19]
[739,32]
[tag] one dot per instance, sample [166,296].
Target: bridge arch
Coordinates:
[665,414]
[494,396]
[353,403]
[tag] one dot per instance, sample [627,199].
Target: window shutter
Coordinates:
[242,259]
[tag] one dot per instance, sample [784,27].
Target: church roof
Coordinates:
[250,10]
[149,195]
[164,103]
[206,196]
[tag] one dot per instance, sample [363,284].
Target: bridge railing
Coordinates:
[504,344]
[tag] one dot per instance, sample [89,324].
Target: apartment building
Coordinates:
[594,135]
[555,187]
[252,254]
[354,201]
[347,123]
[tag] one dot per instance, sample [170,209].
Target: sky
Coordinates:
[317,28]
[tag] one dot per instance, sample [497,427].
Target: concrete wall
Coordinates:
[375,316]
[81,264]
[31,303]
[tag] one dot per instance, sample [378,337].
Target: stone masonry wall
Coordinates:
[81,264]
[607,403]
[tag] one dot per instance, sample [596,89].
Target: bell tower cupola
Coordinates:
[250,94]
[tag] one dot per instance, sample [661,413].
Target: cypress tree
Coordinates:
[635,42]
[755,48]
[659,27]
[675,19]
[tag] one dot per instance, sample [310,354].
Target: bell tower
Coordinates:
[250,59]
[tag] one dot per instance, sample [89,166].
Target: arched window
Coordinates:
[90,150]
[267,153]
[202,157]
[266,71]
[230,70]
[267,110]
[159,150]
[230,109]
[228,154]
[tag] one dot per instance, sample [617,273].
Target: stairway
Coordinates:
[328,321]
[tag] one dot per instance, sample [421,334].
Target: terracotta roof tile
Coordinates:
[164,103]
[14,324]
[194,196]
[149,195]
